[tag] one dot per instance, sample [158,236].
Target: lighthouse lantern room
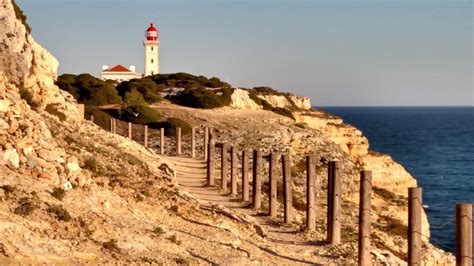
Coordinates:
[152,51]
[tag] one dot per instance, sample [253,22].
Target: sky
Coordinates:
[337,52]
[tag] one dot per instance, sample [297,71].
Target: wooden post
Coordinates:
[111,125]
[365,207]
[257,180]
[464,234]
[329,200]
[115,126]
[224,166]
[310,192]
[193,142]
[233,171]
[92,118]
[206,142]
[145,136]
[334,208]
[129,130]
[414,225]
[245,175]
[211,164]
[178,141]
[272,172]
[287,189]
[162,141]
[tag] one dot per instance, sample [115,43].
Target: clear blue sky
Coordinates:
[353,52]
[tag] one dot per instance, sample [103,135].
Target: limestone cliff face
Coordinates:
[27,73]
[28,66]
[241,100]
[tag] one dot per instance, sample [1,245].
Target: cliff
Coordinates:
[71,192]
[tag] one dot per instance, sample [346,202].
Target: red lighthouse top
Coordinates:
[151,33]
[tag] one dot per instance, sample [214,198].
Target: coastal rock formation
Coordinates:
[240,99]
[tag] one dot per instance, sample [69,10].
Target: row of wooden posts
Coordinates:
[464,249]
[464,235]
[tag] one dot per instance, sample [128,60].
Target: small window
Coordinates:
[152,61]
[152,48]
[152,72]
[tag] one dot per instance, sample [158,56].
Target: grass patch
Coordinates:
[25,207]
[58,193]
[60,213]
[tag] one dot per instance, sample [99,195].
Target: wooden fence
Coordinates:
[464,248]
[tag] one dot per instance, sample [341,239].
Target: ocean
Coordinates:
[435,144]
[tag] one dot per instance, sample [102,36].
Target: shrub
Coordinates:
[60,213]
[91,164]
[204,98]
[25,208]
[187,81]
[139,114]
[134,98]
[170,126]
[101,118]
[21,16]
[88,89]
[59,193]
[149,90]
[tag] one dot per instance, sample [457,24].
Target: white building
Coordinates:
[119,73]
[152,60]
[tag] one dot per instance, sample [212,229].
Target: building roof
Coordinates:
[152,27]
[117,68]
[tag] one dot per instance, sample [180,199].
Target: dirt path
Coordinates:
[287,242]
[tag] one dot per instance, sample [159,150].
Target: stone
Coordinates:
[10,158]
[4,105]
[260,230]
[72,168]
[14,125]
[67,185]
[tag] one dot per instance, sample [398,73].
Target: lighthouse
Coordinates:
[152,51]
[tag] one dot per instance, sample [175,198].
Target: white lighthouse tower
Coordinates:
[152,51]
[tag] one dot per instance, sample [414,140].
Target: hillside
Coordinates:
[71,192]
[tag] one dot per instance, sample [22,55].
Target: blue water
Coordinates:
[435,144]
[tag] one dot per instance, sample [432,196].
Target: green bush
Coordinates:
[187,81]
[21,16]
[60,213]
[170,126]
[139,114]
[101,118]
[134,98]
[88,89]
[149,90]
[204,98]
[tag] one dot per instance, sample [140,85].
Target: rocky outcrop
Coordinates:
[30,67]
[350,139]
[240,99]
